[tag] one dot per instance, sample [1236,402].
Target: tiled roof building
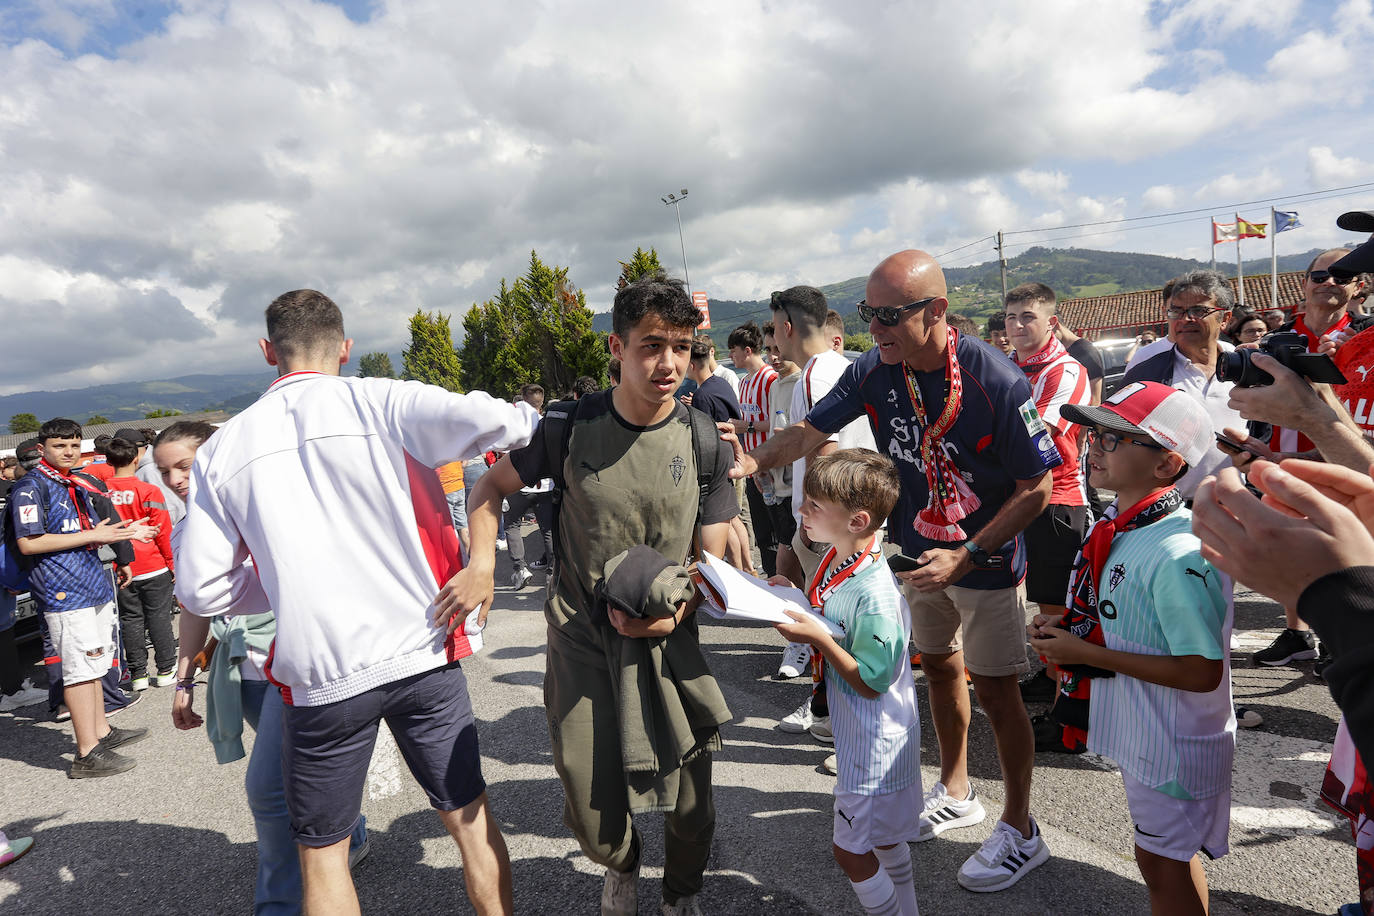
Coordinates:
[215,417]
[1127,314]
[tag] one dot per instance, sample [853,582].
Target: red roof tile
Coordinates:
[1127,314]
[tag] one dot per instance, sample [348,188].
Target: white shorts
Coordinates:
[865,822]
[1179,828]
[85,641]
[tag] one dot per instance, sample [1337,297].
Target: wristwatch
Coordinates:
[750,428]
[979,555]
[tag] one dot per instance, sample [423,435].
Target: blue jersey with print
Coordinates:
[63,580]
[997,439]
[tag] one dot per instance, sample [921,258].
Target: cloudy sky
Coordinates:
[167,169]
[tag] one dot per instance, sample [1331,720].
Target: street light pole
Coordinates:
[672,200]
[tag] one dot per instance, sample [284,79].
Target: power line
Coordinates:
[1248,203]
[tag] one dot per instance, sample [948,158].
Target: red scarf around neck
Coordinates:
[950,498]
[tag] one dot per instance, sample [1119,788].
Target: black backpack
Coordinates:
[558,423]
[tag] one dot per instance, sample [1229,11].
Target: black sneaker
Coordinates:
[541,563]
[1323,662]
[1049,737]
[1290,645]
[101,761]
[118,737]
[1038,688]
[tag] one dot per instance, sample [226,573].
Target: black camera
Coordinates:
[1290,349]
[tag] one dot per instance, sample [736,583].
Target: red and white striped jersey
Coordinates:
[753,405]
[1057,379]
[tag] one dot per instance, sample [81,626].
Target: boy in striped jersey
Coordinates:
[1151,623]
[878,800]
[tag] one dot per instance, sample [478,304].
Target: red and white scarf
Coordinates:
[1041,358]
[79,488]
[950,499]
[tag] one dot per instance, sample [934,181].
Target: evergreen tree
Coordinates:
[430,358]
[376,365]
[24,423]
[641,264]
[97,420]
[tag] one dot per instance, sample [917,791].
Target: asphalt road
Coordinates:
[174,835]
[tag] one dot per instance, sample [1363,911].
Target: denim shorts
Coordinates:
[326,751]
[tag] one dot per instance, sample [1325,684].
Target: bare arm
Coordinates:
[806,628]
[104,533]
[796,441]
[192,634]
[1193,673]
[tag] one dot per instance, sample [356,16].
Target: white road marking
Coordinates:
[1275,785]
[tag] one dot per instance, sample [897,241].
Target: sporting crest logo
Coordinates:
[1116,577]
[676,467]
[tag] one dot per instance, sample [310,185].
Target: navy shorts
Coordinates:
[326,751]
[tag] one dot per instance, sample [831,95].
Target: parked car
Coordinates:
[1114,352]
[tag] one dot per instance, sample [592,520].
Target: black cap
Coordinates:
[1359,261]
[130,435]
[27,449]
[1356,221]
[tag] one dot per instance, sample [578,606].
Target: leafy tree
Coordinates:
[641,264]
[160,412]
[97,420]
[376,365]
[537,329]
[24,423]
[861,341]
[430,358]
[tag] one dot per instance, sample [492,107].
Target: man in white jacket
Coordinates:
[327,483]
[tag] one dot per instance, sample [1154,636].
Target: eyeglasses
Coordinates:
[1109,441]
[1197,312]
[1321,276]
[889,315]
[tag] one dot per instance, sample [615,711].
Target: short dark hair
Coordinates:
[531,388]
[613,371]
[746,335]
[804,306]
[997,323]
[584,386]
[59,428]
[767,329]
[962,323]
[195,431]
[100,442]
[858,479]
[700,351]
[120,452]
[665,297]
[1032,292]
[834,322]
[303,322]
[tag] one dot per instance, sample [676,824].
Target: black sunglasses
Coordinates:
[1321,276]
[889,315]
[1110,440]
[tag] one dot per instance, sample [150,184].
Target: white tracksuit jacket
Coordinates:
[327,483]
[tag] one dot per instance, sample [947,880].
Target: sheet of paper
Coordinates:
[733,595]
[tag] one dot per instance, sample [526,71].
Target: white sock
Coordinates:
[878,896]
[897,863]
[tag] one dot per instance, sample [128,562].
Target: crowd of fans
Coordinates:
[961,505]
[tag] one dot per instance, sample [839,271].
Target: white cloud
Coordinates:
[1330,170]
[1275,16]
[1230,187]
[1048,185]
[1160,197]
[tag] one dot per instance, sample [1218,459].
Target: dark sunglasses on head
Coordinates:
[889,315]
[1321,276]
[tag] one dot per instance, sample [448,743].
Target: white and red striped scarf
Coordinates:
[950,500]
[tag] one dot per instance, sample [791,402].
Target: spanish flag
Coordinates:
[1250,230]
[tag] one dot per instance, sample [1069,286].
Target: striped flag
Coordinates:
[1248,230]
[1223,232]
[1283,221]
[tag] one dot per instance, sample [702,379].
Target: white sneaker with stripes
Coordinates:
[1003,859]
[943,812]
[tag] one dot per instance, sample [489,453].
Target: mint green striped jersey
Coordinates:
[877,741]
[1157,596]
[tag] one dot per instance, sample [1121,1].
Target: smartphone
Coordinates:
[903,563]
[1232,447]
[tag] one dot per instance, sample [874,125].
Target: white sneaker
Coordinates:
[620,893]
[943,811]
[831,765]
[26,695]
[1003,858]
[820,730]
[501,544]
[795,660]
[520,578]
[799,720]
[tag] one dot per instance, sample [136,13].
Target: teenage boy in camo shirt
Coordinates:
[55,523]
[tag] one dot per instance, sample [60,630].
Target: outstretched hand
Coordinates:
[744,465]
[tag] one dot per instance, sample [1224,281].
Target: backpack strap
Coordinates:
[706,449]
[558,423]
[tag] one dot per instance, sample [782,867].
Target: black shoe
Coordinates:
[1038,688]
[1248,718]
[541,563]
[101,761]
[1289,645]
[118,737]
[1323,662]
[1049,737]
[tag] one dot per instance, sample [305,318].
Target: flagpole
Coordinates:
[1240,271]
[1273,261]
[1212,225]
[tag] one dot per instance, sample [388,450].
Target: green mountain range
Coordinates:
[977,291]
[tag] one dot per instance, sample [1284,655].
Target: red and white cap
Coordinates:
[1168,416]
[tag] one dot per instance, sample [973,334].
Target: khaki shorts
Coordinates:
[989,625]
[85,640]
[809,557]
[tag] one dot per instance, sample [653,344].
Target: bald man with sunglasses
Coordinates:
[959,420]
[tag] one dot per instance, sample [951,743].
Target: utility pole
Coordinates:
[672,200]
[1002,262]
